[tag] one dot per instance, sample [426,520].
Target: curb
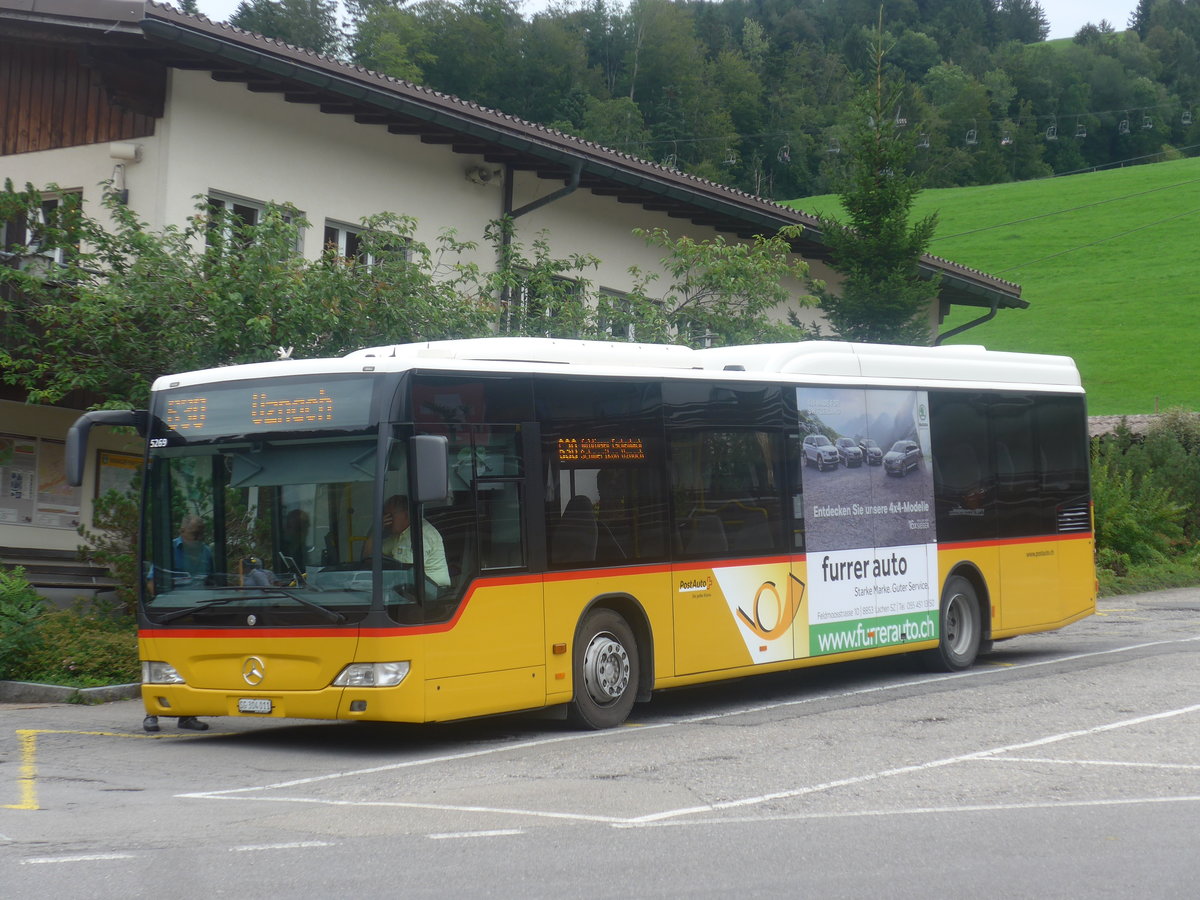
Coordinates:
[31,692]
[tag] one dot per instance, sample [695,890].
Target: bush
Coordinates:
[84,649]
[20,608]
[1147,505]
[1133,525]
[114,542]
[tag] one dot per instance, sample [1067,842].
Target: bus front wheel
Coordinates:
[605,671]
[961,628]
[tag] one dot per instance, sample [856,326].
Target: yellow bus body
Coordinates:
[510,646]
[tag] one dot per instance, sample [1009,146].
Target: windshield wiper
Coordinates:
[268,593]
[188,610]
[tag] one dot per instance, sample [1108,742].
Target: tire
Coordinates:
[960,628]
[606,672]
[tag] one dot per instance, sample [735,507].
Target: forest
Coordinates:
[757,94]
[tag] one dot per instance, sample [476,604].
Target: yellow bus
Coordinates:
[436,531]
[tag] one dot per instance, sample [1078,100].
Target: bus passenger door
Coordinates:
[485,652]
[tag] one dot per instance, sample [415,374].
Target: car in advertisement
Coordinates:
[819,451]
[902,458]
[871,451]
[849,453]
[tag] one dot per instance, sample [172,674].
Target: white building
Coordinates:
[173,106]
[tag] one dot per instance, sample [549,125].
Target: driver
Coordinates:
[397,541]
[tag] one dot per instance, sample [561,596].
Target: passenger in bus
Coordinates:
[397,542]
[293,542]
[191,556]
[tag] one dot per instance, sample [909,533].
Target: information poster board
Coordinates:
[18,473]
[33,484]
[116,471]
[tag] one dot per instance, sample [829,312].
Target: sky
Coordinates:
[1066,16]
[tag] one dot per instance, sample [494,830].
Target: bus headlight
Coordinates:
[155,672]
[387,674]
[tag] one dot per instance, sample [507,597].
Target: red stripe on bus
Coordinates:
[437,628]
[551,577]
[1009,542]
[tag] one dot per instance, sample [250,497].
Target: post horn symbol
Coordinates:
[785,611]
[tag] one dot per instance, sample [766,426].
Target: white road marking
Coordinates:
[294,845]
[499,832]
[659,817]
[911,811]
[1095,762]
[688,720]
[90,857]
[919,767]
[391,767]
[437,807]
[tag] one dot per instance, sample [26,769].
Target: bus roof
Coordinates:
[820,361]
[835,359]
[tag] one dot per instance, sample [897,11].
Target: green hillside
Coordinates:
[1110,264]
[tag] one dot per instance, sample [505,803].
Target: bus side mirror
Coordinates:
[77,436]
[429,461]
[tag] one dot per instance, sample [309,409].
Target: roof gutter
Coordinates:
[986,317]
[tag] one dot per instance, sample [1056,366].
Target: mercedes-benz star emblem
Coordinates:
[253,671]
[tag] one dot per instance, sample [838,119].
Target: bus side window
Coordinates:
[964,487]
[795,466]
[727,493]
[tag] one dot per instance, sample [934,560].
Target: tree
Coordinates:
[131,303]
[124,303]
[1021,20]
[882,297]
[311,24]
[720,293]
[392,41]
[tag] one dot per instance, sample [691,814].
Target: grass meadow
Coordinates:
[1109,263]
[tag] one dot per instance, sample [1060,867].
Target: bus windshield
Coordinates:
[263,533]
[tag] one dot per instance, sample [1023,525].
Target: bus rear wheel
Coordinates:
[605,670]
[961,628]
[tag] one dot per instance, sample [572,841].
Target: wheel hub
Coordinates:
[606,668]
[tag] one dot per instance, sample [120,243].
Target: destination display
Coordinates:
[290,404]
[601,450]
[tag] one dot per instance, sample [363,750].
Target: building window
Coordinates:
[37,239]
[230,215]
[538,304]
[350,243]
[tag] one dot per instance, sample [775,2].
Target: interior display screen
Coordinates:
[576,451]
[250,407]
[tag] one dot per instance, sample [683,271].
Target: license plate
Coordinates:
[254,705]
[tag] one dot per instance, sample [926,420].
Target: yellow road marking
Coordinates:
[27,779]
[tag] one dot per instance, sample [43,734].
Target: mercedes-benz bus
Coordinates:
[443,530]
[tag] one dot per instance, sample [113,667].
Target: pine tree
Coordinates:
[882,297]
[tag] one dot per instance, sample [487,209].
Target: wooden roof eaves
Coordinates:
[453,115]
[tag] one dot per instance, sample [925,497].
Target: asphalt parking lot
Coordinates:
[1064,764]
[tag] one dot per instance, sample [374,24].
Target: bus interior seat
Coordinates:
[705,534]
[457,528]
[753,533]
[576,535]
